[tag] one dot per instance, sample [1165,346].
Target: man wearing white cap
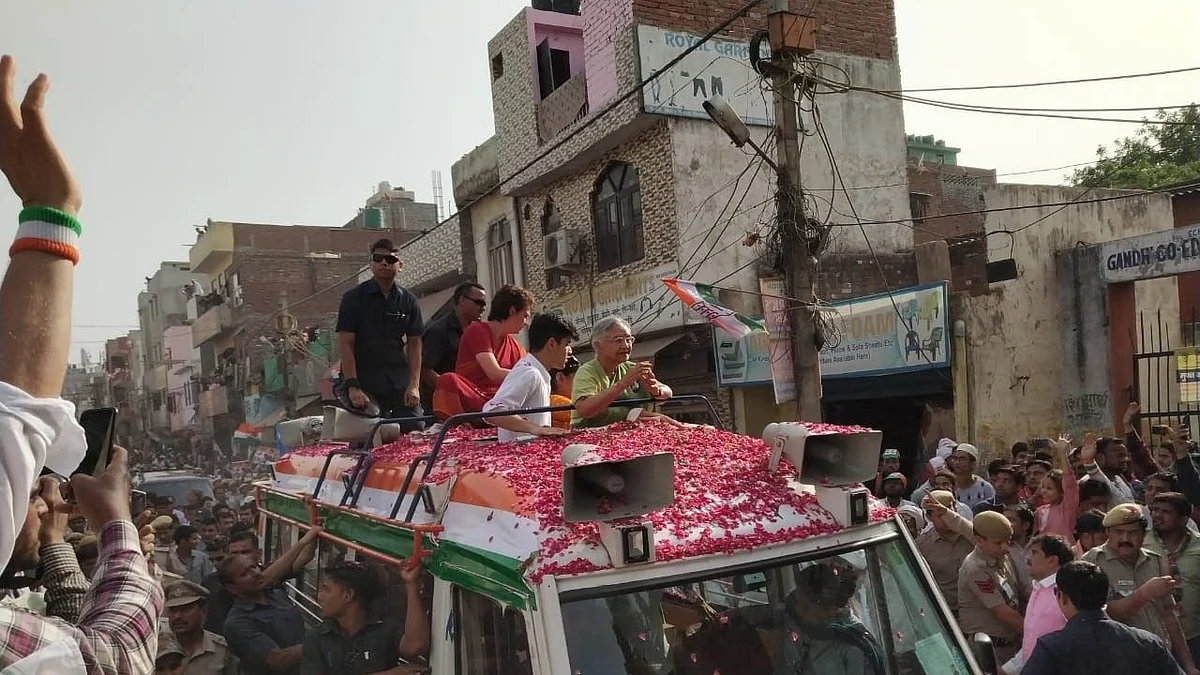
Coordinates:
[969,488]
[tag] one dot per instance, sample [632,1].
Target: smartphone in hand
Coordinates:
[99,427]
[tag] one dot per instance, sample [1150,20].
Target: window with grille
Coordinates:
[617,217]
[552,223]
[500,254]
[918,203]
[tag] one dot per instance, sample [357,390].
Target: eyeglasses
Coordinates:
[384,258]
[623,340]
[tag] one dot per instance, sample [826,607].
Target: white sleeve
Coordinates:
[514,391]
[35,433]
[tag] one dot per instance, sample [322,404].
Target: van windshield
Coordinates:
[864,611]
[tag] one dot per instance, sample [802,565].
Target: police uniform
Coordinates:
[212,657]
[944,554]
[1124,579]
[985,583]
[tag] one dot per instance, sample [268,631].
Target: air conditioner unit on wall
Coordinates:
[562,250]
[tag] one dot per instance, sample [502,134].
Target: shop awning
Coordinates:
[431,303]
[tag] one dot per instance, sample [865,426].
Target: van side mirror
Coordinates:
[985,654]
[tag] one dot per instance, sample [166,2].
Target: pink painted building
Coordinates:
[181,361]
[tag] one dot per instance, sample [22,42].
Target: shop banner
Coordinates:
[742,362]
[905,330]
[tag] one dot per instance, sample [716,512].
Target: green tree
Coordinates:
[1155,155]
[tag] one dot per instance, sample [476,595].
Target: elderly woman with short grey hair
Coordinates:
[611,377]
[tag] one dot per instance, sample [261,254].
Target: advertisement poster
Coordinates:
[881,335]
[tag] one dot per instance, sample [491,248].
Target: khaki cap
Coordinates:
[167,645]
[943,497]
[992,525]
[1123,514]
[161,522]
[182,593]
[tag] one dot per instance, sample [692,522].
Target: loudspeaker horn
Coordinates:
[829,457]
[595,489]
[343,426]
[300,432]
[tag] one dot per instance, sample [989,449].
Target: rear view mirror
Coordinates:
[985,654]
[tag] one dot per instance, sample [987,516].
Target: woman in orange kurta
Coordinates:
[486,352]
[561,382]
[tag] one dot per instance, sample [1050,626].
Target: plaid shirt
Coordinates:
[65,584]
[117,630]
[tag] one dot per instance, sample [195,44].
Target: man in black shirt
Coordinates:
[350,641]
[379,338]
[441,337]
[1091,642]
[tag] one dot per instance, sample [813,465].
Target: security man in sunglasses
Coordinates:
[379,338]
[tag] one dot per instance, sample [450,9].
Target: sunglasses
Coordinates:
[384,257]
[482,304]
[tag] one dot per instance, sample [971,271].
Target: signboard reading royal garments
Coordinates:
[881,335]
[717,68]
[641,299]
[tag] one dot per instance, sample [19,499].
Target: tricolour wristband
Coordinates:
[48,230]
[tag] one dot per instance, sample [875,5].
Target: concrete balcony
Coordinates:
[211,324]
[213,402]
[155,379]
[213,251]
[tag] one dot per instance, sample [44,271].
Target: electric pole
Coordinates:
[791,36]
[286,324]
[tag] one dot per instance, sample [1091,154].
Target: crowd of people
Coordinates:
[1106,508]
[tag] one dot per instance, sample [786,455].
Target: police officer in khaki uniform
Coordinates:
[205,653]
[944,546]
[1140,584]
[989,599]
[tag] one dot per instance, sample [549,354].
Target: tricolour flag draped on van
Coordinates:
[703,300]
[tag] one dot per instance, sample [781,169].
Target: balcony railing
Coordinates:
[562,108]
[211,324]
[213,402]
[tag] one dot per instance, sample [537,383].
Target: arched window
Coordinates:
[618,217]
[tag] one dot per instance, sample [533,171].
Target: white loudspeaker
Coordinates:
[827,458]
[727,118]
[300,432]
[347,427]
[597,490]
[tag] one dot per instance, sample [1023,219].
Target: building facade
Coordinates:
[397,210]
[268,286]
[615,193]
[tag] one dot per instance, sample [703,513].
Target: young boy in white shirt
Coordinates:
[528,384]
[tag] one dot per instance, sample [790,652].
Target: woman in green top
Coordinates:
[611,376]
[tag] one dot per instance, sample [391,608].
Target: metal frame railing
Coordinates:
[357,479]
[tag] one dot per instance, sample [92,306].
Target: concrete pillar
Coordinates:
[1083,341]
[961,376]
[1122,333]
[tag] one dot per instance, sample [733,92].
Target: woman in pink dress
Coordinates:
[1060,496]
[486,352]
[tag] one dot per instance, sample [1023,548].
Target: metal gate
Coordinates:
[1155,372]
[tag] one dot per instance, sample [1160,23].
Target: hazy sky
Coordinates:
[290,111]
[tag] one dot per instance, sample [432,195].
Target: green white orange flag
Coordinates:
[703,300]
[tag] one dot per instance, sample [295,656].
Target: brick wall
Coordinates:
[1186,208]
[604,21]
[650,153]
[405,219]
[844,276]
[955,189]
[862,28]
[294,240]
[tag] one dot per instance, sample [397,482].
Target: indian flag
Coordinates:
[703,300]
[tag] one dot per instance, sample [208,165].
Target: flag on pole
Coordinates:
[703,300]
